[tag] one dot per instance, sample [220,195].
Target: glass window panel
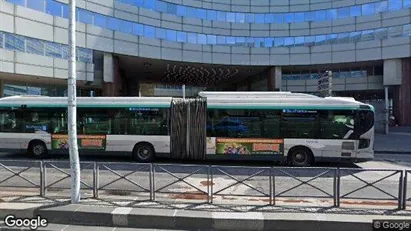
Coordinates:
[249,42]
[367,35]
[54,8]
[220,39]
[149,31]
[100,20]
[34,46]
[1,39]
[181,10]
[259,18]
[230,17]
[65,52]
[310,16]
[268,18]
[230,40]
[240,41]
[309,41]
[320,15]
[17,2]
[160,33]
[181,36]
[221,16]
[406,30]
[113,23]
[395,31]
[381,6]
[126,27]
[192,37]
[368,9]
[320,40]
[258,42]
[14,42]
[37,5]
[65,11]
[201,39]
[85,16]
[161,6]
[289,41]
[407,3]
[211,39]
[83,55]
[355,11]
[278,18]
[149,4]
[331,14]
[202,13]
[355,36]
[343,12]
[332,38]
[279,42]
[394,5]
[240,17]
[289,17]
[171,35]
[211,15]
[249,18]
[343,37]
[268,42]
[299,41]
[381,33]
[138,29]
[191,12]
[171,8]
[299,17]
[53,50]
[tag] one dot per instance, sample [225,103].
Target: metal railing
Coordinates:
[207,182]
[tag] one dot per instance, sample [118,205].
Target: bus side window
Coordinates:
[8,121]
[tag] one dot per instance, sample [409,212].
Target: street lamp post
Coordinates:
[72,111]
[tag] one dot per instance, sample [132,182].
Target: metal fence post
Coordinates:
[338,187]
[404,195]
[95,180]
[42,179]
[401,190]
[271,185]
[335,188]
[209,183]
[153,181]
[211,186]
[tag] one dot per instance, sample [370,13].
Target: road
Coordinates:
[223,177]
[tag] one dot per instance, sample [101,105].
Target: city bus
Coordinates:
[298,128]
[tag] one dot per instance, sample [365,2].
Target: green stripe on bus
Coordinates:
[283,107]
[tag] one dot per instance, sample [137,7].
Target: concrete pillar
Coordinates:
[1,88]
[112,76]
[402,95]
[274,78]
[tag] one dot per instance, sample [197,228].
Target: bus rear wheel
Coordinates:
[38,149]
[143,152]
[300,157]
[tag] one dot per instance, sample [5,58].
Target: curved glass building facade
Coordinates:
[124,46]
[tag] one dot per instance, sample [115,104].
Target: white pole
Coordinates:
[184,91]
[72,111]
[387,111]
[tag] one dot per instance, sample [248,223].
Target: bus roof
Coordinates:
[216,100]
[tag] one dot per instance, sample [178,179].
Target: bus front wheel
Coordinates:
[300,157]
[143,152]
[38,149]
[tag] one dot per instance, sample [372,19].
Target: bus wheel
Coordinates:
[143,152]
[300,157]
[38,149]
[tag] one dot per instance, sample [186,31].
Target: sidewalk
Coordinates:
[176,215]
[398,140]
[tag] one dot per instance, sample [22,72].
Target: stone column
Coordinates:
[112,76]
[402,95]
[274,79]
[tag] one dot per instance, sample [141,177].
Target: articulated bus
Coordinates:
[276,126]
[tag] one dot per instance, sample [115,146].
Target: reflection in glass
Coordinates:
[381,6]
[53,50]
[34,46]
[221,39]
[320,15]
[138,29]
[406,3]
[1,39]
[394,5]
[160,33]
[37,5]
[309,41]
[181,37]
[381,33]
[395,31]
[355,11]
[14,42]
[240,17]
[367,35]
[211,15]
[171,35]
[355,36]
[192,38]
[368,9]
[332,38]
[343,12]
[406,30]
[100,20]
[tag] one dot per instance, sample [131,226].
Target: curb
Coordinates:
[393,152]
[185,219]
